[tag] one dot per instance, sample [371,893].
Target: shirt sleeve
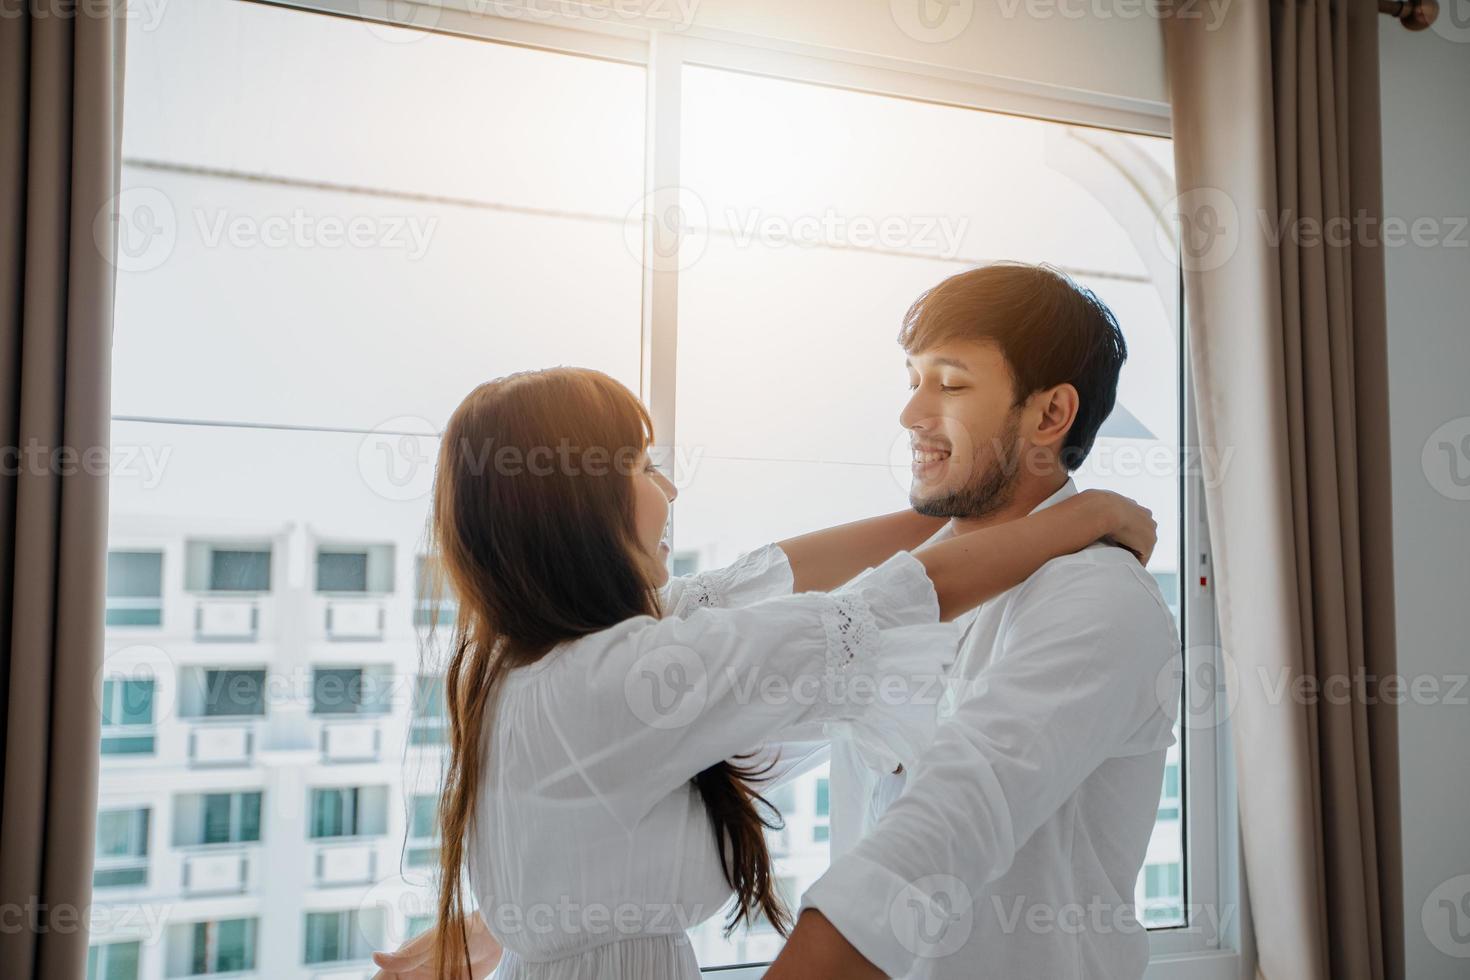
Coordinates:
[764,573]
[1082,677]
[651,703]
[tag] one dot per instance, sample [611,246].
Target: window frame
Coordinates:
[1199,951]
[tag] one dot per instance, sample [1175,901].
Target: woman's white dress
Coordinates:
[591,853]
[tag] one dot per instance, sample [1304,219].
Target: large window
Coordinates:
[789,377]
[216,818]
[331,231]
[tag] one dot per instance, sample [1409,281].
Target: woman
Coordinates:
[599,712]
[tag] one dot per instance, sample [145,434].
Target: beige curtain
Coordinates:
[60,107]
[1276,134]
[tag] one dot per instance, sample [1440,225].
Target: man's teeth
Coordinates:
[929,455]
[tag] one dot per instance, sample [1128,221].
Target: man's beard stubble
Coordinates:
[989,489]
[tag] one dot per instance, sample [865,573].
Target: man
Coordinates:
[1013,849]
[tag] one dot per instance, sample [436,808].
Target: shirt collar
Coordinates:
[1068,489]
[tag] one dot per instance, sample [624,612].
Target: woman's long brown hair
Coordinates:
[533,528]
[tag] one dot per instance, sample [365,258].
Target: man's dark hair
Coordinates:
[1050,330]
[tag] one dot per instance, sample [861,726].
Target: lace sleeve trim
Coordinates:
[852,636]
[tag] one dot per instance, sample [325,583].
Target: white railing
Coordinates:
[221,743]
[227,618]
[346,864]
[354,618]
[351,741]
[216,873]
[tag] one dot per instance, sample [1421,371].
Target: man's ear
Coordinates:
[1056,411]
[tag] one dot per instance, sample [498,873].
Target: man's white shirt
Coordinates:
[1011,849]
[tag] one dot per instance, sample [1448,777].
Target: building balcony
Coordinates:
[221,743]
[349,863]
[355,740]
[353,618]
[228,619]
[217,872]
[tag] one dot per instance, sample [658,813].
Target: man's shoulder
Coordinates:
[1107,574]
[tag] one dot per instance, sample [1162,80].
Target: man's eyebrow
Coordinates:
[953,362]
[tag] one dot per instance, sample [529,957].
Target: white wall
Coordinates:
[1426,135]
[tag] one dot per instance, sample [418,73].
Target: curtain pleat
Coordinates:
[60,125]
[1276,122]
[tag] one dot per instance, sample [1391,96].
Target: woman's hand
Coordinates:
[414,960]
[1125,522]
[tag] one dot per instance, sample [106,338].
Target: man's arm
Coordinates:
[817,949]
[1079,676]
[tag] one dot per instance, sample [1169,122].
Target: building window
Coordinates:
[351,690]
[134,588]
[423,831]
[341,571]
[217,946]
[217,818]
[417,925]
[1169,796]
[239,570]
[434,605]
[349,811]
[1163,892]
[122,848]
[222,692]
[822,808]
[355,570]
[345,936]
[127,716]
[430,720]
[113,961]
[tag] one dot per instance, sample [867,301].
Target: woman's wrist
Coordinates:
[1097,517]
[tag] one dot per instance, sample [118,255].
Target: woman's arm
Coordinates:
[970,568]
[822,560]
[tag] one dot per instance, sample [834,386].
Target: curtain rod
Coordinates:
[1413,14]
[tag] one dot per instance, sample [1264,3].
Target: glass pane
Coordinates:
[323,937]
[122,961]
[240,571]
[116,836]
[200,962]
[127,745]
[249,817]
[119,877]
[124,616]
[795,282]
[341,571]
[336,690]
[236,945]
[217,822]
[134,574]
[483,239]
[423,822]
[328,812]
[230,693]
[136,706]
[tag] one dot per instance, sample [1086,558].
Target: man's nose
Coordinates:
[913,414]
